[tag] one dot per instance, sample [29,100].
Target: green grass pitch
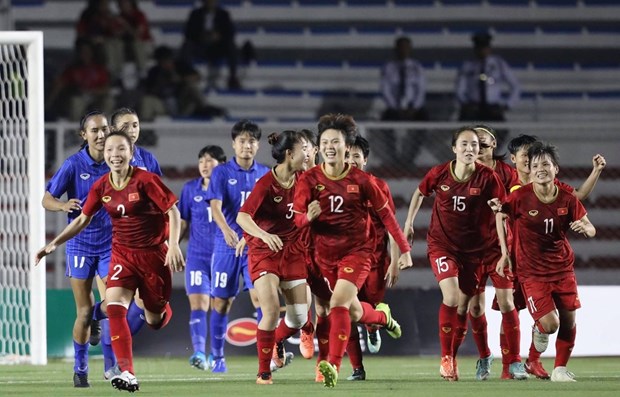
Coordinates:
[386,376]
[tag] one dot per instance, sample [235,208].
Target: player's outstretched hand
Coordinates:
[174,258]
[405,261]
[72,205]
[314,210]
[43,252]
[240,247]
[273,241]
[598,162]
[504,264]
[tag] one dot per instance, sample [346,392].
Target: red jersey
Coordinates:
[542,250]
[344,225]
[462,219]
[507,175]
[380,232]
[271,206]
[137,210]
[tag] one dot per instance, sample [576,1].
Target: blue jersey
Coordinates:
[232,184]
[196,210]
[144,159]
[75,177]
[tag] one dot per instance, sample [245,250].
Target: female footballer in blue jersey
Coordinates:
[197,217]
[87,254]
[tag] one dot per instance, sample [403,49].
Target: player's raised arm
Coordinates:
[583,191]
[72,229]
[414,207]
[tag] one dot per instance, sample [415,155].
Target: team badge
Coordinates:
[446,329]
[445,188]
[533,212]
[320,188]
[266,350]
[198,199]
[562,211]
[106,199]
[343,337]
[474,191]
[348,270]
[134,196]
[232,181]
[353,188]
[84,176]
[277,199]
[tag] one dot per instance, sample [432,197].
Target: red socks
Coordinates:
[121,337]
[479,332]
[354,350]
[322,335]
[283,331]
[265,341]
[447,322]
[371,316]
[339,331]
[459,333]
[564,345]
[512,335]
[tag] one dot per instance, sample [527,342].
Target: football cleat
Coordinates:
[113,371]
[125,381]
[561,374]
[392,326]
[541,341]
[373,341]
[536,368]
[80,380]
[318,378]
[517,371]
[329,372]
[219,365]
[358,374]
[199,360]
[483,368]
[264,378]
[446,368]
[95,333]
[306,344]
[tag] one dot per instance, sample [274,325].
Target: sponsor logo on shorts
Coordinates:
[348,270]
[320,188]
[232,181]
[562,211]
[106,199]
[198,198]
[353,188]
[445,188]
[242,332]
[134,196]
[277,199]
[533,212]
[474,191]
[84,176]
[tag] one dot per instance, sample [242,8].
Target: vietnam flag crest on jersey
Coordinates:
[562,211]
[134,196]
[353,188]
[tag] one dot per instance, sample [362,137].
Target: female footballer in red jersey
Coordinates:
[459,236]
[333,199]
[510,335]
[276,256]
[145,246]
[542,212]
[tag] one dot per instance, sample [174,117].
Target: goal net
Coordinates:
[22,218]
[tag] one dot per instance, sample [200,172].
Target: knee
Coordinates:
[222,306]
[476,310]
[296,315]
[550,325]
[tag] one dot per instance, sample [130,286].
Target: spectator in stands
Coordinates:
[85,83]
[403,88]
[137,33]
[481,83]
[172,88]
[105,29]
[210,36]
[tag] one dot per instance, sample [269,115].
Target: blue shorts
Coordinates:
[85,267]
[226,270]
[198,275]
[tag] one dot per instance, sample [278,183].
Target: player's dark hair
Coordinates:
[539,149]
[340,122]
[281,142]
[520,142]
[120,112]
[362,144]
[121,134]
[214,151]
[246,127]
[85,119]
[311,136]
[491,131]
[457,133]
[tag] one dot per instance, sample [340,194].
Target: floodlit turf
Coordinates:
[402,376]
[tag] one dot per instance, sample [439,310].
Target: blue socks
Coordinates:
[135,318]
[218,323]
[109,359]
[80,356]
[98,314]
[198,329]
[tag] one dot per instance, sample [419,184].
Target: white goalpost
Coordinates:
[23,336]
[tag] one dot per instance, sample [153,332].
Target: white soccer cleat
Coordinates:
[373,341]
[125,381]
[561,374]
[541,341]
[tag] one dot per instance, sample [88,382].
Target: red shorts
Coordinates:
[373,290]
[487,270]
[517,297]
[144,270]
[316,282]
[353,267]
[446,264]
[543,297]
[288,264]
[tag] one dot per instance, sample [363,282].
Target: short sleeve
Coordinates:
[185,202]
[158,193]
[59,184]
[215,191]
[429,182]
[259,193]
[303,194]
[93,200]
